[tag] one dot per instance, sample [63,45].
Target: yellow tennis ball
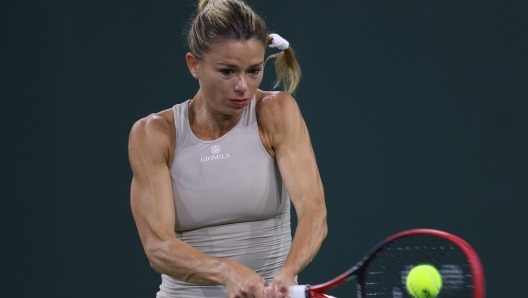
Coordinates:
[424,281]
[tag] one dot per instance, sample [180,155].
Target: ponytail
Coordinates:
[287,69]
[286,66]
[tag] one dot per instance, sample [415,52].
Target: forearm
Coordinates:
[181,261]
[309,235]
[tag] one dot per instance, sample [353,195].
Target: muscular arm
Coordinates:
[152,205]
[153,209]
[288,135]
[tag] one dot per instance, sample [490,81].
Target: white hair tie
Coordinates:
[278,42]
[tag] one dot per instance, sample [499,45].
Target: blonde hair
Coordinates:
[218,20]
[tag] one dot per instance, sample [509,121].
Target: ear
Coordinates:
[193,64]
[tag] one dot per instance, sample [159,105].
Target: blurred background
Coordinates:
[417,112]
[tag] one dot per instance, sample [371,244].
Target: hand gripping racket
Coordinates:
[383,271]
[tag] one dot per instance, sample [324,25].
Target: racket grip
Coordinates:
[298,291]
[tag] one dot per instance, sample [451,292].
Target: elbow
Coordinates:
[154,261]
[155,264]
[155,255]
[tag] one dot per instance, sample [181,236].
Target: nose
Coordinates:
[241,85]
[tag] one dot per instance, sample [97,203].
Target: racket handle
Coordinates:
[298,291]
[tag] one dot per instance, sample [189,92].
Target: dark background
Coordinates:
[417,112]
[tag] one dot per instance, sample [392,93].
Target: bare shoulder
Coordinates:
[154,134]
[276,108]
[154,125]
[276,100]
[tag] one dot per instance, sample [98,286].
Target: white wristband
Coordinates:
[297,291]
[300,292]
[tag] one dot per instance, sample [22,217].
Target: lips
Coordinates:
[239,101]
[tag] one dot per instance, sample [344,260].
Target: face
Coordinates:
[229,74]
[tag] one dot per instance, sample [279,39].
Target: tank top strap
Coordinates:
[181,120]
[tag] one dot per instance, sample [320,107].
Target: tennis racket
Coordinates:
[383,271]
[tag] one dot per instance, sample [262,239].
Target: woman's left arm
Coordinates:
[290,141]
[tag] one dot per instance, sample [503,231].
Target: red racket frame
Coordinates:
[473,259]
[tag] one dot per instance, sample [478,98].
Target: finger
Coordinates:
[258,290]
[275,293]
[267,289]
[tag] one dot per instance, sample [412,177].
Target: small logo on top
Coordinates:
[215,149]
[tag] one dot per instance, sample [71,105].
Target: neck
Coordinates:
[208,123]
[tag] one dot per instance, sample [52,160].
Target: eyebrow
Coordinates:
[235,66]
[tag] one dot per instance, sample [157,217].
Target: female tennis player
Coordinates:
[213,176]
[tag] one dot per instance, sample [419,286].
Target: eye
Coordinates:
[226,72]
[255,71]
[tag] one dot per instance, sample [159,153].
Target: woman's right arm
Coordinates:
[152,203]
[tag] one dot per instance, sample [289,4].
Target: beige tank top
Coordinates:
[230,200]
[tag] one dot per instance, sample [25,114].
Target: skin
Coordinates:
[231,70]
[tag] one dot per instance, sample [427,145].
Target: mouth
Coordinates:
[239,101]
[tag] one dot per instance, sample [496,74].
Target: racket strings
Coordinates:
[386,275]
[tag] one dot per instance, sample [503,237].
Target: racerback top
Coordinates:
[230,201]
